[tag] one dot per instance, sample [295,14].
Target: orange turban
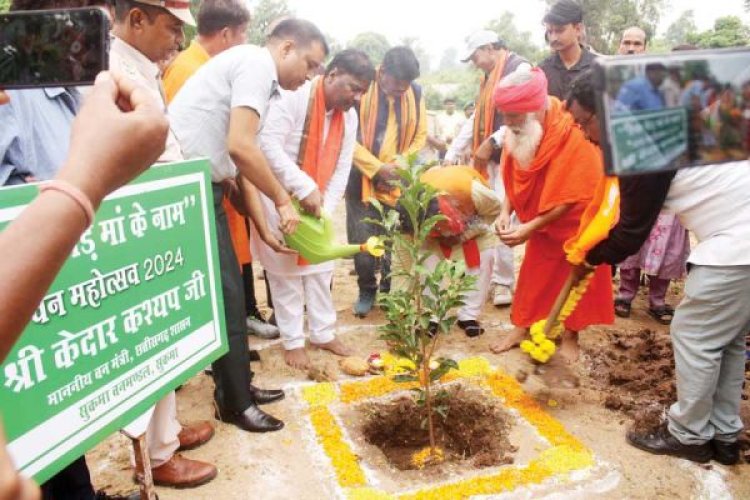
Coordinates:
[525,97]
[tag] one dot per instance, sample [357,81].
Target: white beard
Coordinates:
[522,143]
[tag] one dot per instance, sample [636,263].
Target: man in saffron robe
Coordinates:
[550,173]
[392,121]
[309,140]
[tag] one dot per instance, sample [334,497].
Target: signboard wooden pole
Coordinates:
[143,468]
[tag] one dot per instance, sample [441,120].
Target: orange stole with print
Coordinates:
[368,125]
[456,181]
[484,114]
[317,156]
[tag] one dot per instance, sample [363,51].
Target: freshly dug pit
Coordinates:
[475,428]
[636,371]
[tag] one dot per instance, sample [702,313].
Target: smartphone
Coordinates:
[53,48]
[669,111]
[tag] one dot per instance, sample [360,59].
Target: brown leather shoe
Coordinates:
[181,472]
[193,435]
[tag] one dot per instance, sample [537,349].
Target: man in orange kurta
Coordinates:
[550,173]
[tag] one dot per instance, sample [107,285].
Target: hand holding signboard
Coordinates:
[120,131]
[117,135]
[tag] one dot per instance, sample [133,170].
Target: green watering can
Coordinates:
[314,241]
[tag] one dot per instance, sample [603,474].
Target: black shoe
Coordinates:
[264,396]
[253,355]
[726,452]
[470,327]
[253,419]
[662,442]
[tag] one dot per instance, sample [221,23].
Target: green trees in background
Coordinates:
[375,45]
[264,13]
[728,31]
[606,20]
[519,42]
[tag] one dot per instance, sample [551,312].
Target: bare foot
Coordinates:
[336,347]
[569,350]
[510,341]
[297,358]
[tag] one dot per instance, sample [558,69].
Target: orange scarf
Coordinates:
[566,170]
[457,182]
[318,158]
[484,116]
[370,124]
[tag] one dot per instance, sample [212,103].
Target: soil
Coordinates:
[636,371]
[475,428]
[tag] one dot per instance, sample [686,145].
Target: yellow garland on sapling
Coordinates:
[541,346]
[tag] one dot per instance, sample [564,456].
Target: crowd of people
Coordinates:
[284,132]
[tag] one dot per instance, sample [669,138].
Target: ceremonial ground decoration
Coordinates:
[136,310]
[419,311]
[356,480]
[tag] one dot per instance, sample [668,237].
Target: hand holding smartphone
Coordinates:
[669,111]
[52,48]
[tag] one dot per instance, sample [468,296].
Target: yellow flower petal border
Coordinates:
[566,453]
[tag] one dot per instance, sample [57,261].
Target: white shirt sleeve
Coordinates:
[498,135]
[285,116]
[251,84]
[337,185]
[461,140]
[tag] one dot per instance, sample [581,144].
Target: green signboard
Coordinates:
[136,310]
[646,141]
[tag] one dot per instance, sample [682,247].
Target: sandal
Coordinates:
[622,308]
[663,314]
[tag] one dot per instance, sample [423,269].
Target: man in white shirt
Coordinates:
[488,53]
[449,122]
[309,140]
[145,32]
[709,327]
[218,114]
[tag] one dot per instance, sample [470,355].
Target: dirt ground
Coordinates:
[283,465]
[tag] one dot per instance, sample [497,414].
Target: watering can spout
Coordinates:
[314,240]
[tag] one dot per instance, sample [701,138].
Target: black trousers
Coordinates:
[357,232]
[71,483]
[231,372]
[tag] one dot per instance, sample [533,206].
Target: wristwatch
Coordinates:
[495,145]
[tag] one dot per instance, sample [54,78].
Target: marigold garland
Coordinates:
[367,494]
[565,454]
[425,456]
[344,461]
[353,392]
[321,394]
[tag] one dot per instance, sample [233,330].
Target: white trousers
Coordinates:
[162,431]
[474,299]
[290,296]
[502,270]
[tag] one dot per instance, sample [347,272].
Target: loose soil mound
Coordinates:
[475,428]
[636,371]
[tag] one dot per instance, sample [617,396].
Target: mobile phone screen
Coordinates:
[674,110]
[53,48]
